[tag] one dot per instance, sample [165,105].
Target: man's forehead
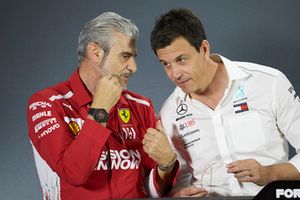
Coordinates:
[124,42]
[169,53]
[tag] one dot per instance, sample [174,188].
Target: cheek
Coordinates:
[169,74]
[112,67]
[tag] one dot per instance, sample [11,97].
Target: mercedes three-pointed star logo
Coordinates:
[181,109]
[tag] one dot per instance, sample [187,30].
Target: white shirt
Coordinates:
[257,115]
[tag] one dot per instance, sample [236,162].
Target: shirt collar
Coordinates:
[233,71]
[123,100]
[81,93]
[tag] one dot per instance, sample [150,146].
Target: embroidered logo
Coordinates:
[240,92]
[241,107]
[74,127]
[124,115]
[181,109]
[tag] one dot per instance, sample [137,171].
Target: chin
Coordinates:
[186,90]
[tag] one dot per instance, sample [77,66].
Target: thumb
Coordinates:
[159,126]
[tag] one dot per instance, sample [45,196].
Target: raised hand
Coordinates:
[157,145]
[107,93]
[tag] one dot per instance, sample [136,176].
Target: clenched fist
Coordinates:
[157,145]
[107,93]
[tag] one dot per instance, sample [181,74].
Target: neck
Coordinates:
[216,88]
[219,81]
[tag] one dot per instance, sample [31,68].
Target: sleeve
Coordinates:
[72,158]
[153,186]
[287,111]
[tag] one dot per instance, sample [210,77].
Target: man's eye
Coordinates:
[165,64]
[181,60]
[126,57]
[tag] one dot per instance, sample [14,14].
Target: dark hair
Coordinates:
[177,23]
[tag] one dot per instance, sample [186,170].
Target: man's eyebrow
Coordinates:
[176,58]
[180,56]
[127,53]
[162,61]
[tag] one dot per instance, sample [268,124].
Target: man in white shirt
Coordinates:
[229,122]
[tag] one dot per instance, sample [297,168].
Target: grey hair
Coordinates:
[101,30]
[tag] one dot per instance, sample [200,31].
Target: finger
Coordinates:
[237,168]
[152,131]
[159,126]
[144,141]
[148,151]
[245,163]
[114,79]
[117,76]
[145,148]
[199,194]
[233,164]
[194,191]
[242,174]
[149,137]
[150,144]
[246,179]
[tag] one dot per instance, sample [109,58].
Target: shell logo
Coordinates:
[74,127]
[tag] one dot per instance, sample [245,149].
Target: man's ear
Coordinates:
[205,48]
[94,52]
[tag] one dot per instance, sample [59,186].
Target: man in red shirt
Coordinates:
[88,132]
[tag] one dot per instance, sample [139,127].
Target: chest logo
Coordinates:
[124,115]
[241,107]
[240,92]
[74,127]
[181,109]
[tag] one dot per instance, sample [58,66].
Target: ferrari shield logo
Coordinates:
[124,115]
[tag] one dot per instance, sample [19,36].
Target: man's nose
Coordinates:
[132,66]
[176,71]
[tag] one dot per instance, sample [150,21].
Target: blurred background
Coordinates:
[38,44]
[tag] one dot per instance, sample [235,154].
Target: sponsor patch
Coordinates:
[184,116]
[41,104]
[191,143]
[74,127]
[181,109]
[188,133]
[186,124]
[67,106]
[129,133]
[75,124]
[44,123]
[240,92]
[241,107]
[119,159]
[124,114]
[41,114]
[48,130]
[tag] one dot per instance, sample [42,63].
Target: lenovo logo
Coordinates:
[288,193]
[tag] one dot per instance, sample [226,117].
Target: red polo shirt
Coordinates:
[77,158]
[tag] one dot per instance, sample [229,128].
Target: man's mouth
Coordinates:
[182,82]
